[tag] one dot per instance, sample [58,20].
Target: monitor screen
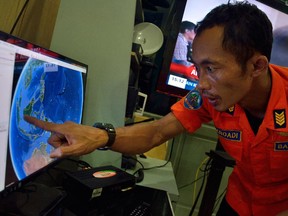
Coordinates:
[40,83]
[178,77]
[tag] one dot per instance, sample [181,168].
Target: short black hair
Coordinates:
[247,29]
[186,25]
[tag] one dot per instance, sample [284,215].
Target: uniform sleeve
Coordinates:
[191,119]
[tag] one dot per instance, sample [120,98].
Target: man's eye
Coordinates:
[210,69]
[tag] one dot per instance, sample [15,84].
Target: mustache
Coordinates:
[206,94]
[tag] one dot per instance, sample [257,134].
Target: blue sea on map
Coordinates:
[48,92]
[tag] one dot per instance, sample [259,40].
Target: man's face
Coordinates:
[221,79]
[190,35]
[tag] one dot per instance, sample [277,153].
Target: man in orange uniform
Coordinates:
[245,97]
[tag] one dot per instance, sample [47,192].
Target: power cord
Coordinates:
[206,172]
[81,164]
[219,198]
[139,173]
[196,177]
[190,183]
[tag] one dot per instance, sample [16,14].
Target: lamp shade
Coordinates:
[149,36]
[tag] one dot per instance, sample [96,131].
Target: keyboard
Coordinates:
[142,209]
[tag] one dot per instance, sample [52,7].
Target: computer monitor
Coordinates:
[41,83]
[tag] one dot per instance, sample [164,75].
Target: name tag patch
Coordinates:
[232,135]
[281,146]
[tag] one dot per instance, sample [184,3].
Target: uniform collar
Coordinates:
[276,114]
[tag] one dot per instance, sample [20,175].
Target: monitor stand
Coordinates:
[31,199]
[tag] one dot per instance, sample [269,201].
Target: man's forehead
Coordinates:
[212,34]
[207,44]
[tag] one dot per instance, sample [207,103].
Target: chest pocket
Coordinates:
[277,151]
[231,142]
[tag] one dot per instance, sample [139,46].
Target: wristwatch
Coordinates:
[110,131]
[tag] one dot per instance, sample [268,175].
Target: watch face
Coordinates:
[106,126]
[110,131]
[109,128]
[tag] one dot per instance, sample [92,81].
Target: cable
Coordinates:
[159,166]
[196,176]
[163,165]
[139,174]
[206,170]
[82,164]
[218,199]
[18,17]
[190,183]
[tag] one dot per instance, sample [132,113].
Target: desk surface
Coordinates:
[161,178]
[158,178]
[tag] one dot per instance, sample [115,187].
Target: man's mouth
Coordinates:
[213,100]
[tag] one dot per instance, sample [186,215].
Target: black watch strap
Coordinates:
[110,131]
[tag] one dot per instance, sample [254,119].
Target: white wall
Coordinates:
[99,33]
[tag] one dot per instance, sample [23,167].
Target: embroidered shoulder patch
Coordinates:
[279,118]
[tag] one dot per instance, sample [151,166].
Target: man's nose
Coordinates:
[203,83]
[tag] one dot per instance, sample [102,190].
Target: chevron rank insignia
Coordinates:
[280,118]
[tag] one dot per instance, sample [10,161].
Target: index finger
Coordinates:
[48,126]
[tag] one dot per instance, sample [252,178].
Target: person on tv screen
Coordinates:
[183,48]
[242,93]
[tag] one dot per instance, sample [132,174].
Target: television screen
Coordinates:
[40,83]
[178,77]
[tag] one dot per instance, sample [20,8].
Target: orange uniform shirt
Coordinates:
[258,185]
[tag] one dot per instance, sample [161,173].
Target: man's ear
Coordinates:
[260,64]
